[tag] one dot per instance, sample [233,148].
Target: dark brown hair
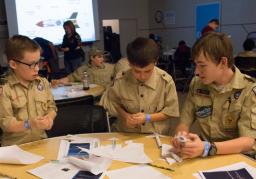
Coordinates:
[142,52]
[71,25]
[214,45]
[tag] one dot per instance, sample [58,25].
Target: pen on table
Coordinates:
[158,141]
[161,167]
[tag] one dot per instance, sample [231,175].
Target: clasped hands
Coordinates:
[44,122]
[191,147]
[134,120]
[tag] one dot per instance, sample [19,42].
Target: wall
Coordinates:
[136,18]
[237,19]
[132,15]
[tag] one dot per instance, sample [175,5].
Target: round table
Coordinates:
[48,148]
[75,90]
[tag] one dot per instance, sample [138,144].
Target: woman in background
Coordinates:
[71,46]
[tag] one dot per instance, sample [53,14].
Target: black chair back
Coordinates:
[78,119]
[246,65]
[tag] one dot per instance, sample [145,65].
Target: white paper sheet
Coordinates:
[15,155]
[133,153]
[136,172]
[55,171]
[70,140]
[251,170]
[94,164]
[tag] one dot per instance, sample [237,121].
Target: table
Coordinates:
[49,149]
[75,90]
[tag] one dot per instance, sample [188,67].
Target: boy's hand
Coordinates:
[194,147]
[138,118]
[44,123]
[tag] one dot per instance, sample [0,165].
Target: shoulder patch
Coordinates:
[40,87]
[254,90]
[203,92]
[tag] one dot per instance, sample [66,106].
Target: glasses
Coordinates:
[32,65]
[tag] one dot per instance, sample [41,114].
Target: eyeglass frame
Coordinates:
[34,64]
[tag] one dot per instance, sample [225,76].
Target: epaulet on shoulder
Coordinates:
[120,75]
[249,78]
[165,76]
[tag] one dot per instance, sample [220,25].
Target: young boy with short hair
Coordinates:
[144,98]
[27,107]
[221,99]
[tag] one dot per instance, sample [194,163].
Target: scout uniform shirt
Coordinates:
[222,114]
[101,75]
[20,103]
[157,94]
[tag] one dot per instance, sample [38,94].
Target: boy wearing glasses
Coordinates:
[27,107]
[144,98]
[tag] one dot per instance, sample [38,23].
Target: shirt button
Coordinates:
[142,110]
[141,84]
[142,95]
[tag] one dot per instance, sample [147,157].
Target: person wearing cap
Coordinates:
[144,97]
[99,72]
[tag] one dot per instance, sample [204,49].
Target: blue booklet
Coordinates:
[233,174]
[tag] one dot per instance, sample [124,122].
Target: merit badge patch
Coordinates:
[237,94]
[40,87]
[204,111]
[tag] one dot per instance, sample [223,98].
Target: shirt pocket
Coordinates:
[41,104]
[19,107]
[130,105]
[230,115]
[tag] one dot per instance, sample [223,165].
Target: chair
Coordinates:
[77,119]
[246,65]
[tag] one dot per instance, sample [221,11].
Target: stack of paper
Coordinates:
[133,153]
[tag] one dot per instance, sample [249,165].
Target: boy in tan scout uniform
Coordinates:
[99,72]
[143,98]
[221,99]
[27,107]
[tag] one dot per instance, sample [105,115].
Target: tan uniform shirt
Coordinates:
[20,103]
[158,94]
[121,66]
[222,114]
[102,75]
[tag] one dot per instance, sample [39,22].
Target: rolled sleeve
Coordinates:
[187,113]
[110,99]
[6,112]
[171,107]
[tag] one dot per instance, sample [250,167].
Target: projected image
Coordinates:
[45,18]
